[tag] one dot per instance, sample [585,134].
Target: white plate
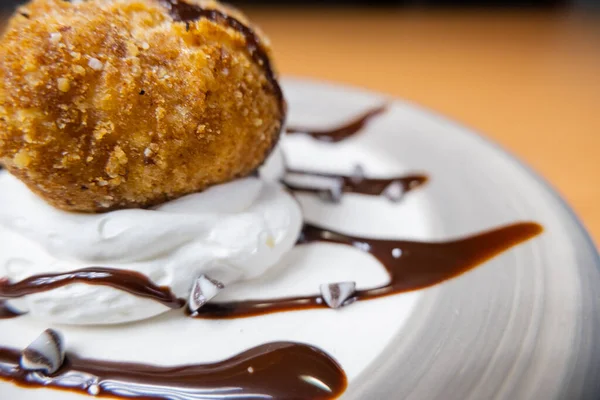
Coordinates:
[524,325]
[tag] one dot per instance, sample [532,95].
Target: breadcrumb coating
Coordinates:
[113,104]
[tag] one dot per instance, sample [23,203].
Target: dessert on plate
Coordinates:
[142,174]
[151,111]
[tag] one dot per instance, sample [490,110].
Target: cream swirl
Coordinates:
[231,232]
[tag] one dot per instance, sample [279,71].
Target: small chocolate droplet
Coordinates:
[46,353]
[394,191]
[338,294]
[203,290]
[94,389]
[363,246]
[333,193]
[358,174]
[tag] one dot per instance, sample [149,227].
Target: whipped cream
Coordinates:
[231,232]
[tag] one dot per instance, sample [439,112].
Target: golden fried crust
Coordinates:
[112,104]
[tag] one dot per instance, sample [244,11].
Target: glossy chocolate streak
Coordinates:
[280,370]
[410,265]
[343,132]
[6,312]
[185,12]
[368,186]
[127,281]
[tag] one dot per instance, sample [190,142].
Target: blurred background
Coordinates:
[371,3]
[525,73]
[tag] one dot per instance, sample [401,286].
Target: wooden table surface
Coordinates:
[529,81]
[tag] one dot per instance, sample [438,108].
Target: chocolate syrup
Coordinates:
[280,370]
[360,184]
[128,281]
[182,11]
[6,312]
[410,265]
[342,132]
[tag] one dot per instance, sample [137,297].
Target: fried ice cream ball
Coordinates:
[110,104]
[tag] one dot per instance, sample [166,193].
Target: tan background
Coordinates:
[530,81]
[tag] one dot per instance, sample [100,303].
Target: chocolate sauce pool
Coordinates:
[280,370]
[342,132]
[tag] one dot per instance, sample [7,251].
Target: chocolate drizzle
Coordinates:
[280,370]
[410,265]
[7,312]
[342,132]
[360,184]
[128,281]
[182,11]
